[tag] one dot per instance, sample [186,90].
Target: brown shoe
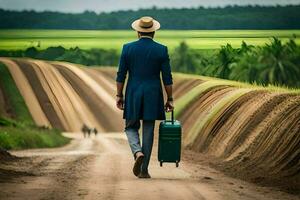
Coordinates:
[144,175]
[137,165]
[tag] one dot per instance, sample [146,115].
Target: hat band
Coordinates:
[146,26]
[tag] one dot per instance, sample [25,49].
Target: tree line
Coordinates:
[276,63]
[230,17]
[75,55]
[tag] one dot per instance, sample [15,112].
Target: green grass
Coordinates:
[87,39]
[24,137]
[15,99]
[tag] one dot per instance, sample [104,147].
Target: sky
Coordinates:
[76,6]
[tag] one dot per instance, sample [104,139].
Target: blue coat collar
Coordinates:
[146,38]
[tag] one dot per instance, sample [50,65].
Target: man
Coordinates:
[95,131]
[144,60]
[84,129]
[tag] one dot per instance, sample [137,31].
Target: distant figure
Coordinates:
[84,130]
[89,131]
[145,60]
[95,131]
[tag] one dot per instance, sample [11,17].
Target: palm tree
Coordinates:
[226,57]
[184,59]
[277,68]
[246,68]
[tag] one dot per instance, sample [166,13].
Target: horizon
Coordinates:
[97,6]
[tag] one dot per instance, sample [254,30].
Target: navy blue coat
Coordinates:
[144,60]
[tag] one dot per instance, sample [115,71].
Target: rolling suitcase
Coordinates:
[169,141]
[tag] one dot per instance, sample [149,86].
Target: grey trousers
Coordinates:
[132,132]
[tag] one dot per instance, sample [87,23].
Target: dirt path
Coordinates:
[100,168]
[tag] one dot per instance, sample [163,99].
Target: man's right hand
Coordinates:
[169,106]
[120,103]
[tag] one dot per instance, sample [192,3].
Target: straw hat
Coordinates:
[145,25]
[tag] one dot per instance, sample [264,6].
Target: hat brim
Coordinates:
[135,26]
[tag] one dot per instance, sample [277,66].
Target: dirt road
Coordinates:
[100,168]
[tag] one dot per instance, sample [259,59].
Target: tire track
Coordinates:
[105,96]
[185,86]
[261,108]
[42,97]
[190,114]
[271,143]
[231,120]
[221,129]
[109,72]
[106,82]
[74,112]
[199,109]
[203,136]
[99,109]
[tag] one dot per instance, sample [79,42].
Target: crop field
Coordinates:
[87,39]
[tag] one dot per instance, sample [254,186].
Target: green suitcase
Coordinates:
[169,141]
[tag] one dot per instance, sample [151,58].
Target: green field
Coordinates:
[86,39]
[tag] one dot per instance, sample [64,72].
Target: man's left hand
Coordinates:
[169,106]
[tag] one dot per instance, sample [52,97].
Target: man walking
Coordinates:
[144,60]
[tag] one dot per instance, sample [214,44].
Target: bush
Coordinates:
[7,122]
[18,135]
[26,137]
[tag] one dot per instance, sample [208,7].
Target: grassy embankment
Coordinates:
[20,132]
[183,102]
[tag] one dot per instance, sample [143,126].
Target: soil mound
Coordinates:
[6,156]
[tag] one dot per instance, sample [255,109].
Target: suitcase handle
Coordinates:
[172,116]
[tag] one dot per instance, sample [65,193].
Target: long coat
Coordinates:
[144,60]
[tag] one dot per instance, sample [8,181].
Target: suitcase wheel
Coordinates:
[177,164]
[161,163]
